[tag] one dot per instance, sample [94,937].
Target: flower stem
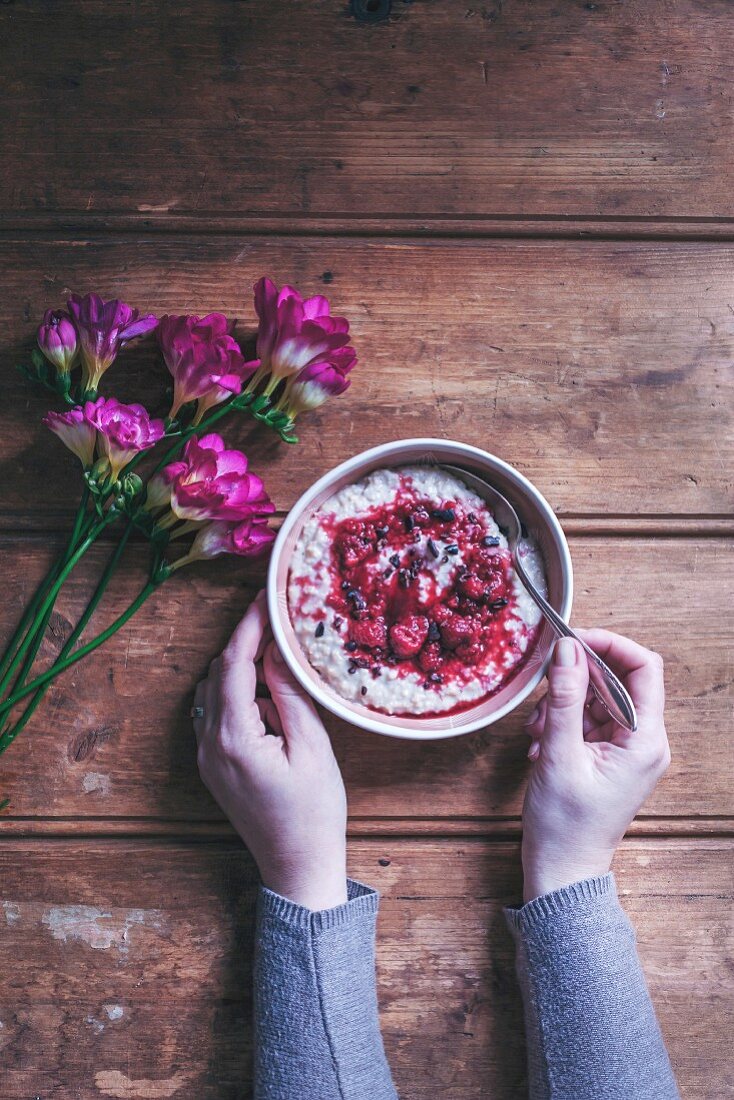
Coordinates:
[9,735]
[67,662]
[43,588]
[193,429]
[47,605]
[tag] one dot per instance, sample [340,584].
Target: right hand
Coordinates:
[590,775]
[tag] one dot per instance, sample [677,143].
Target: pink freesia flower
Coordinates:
[248,539]
[104,328]
[319,381]
[294,331]
[212,483]
[58,340]
[122,430]
[75,432]
[205,361]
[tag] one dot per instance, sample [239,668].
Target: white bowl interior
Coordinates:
[534,512]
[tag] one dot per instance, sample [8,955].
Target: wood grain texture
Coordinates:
[113,737]
[520,108]
[124,962]
[602,371]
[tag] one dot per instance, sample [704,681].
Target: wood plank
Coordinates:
[601,370]
[130,962]
[113,738]
[534,109]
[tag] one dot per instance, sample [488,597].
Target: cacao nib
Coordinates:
[319,631]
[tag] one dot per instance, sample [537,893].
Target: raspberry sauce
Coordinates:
[425,588]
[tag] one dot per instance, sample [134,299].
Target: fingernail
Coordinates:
[565,653]
[533,717]
[534,751]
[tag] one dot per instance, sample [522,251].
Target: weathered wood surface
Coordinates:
[603,371]
[113,738]
[521,108]
[123,963]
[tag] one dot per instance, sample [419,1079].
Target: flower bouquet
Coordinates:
[173,480]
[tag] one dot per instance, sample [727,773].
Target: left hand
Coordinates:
[269,764]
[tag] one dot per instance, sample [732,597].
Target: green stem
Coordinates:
[61,666]
[10,735]
[42,591]
[193,429]
[50,599]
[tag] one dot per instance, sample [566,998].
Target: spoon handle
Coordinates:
[609,690]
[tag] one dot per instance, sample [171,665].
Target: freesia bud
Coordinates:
[247,539]
[317,382]
[131,487]
[294,331]
[205,361]
[104,328]
[57,339]
[75,432]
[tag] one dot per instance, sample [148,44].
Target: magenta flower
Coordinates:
[122,430]
[248,539]
[75,432]
[205,361]
[58,340]
[294,331]
[104,328]
[212,483]
[319,381]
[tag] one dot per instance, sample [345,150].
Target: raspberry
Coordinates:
[430,657]
[468,652]
[471,586]
[458,631]
[352,549]
[370,633]
[408,635]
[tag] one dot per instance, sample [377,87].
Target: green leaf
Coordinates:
[4,804]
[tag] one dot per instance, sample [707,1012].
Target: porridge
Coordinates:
[403,597]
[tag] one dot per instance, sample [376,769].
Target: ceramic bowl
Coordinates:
[534,512]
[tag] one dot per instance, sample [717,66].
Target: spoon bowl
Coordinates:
[607,687]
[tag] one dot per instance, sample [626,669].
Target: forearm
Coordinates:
[591,1028]
[317,1030]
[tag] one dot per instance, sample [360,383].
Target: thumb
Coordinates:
[568,682]
[298,716]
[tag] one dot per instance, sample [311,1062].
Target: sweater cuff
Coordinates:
[560,901]
[362,901]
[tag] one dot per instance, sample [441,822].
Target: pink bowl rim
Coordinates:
[390,452]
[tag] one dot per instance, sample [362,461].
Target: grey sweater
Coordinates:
[591,1029]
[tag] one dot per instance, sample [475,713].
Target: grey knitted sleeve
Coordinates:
[317,1032]
[591,1028]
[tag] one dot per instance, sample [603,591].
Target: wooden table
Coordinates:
[525,209]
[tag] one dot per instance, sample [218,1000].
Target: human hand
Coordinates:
[590,775]
[269,764]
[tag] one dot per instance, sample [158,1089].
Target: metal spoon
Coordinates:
[608,689]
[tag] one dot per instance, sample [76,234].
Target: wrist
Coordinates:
[315,889]
[543,875]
